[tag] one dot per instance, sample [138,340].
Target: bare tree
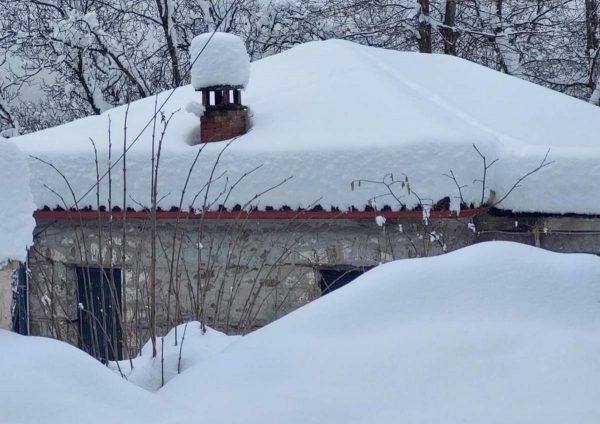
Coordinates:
[86,57]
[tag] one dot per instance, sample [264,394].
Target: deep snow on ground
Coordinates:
[177,351]
[494,333]
[47,381]
[16,204]
[318,115]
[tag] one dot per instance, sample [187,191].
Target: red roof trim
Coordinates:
[229,215]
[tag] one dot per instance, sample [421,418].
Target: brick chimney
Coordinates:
[224,115]
[220,70]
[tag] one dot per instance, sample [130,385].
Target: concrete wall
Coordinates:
[234,275]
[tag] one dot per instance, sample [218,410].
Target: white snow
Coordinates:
[219,58]
[16,204]
[149,373]
[9,133]
[318,115]
[494,333]
[47,381]
[195,108]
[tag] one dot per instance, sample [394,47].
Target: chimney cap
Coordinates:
[219,61]
[221,87]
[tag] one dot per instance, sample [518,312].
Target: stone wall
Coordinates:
[566,234]
[233,275]
[239,275]
[6,273]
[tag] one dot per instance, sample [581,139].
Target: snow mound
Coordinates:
[44,380]
[493,333]
[16,204]
[219,59]
[195,108]
[187,341]
[425,126]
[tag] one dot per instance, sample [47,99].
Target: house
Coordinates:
[354,156]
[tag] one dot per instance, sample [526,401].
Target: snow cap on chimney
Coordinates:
[219,59]
[220,70]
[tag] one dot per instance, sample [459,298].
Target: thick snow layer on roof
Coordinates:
[219,59]
[326,113]
[16,204]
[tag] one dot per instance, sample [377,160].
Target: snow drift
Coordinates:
[178,350]
[318,116]
[16,204]
[47,381]
[493,333]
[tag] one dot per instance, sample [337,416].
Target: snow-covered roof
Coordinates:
[219,59]
[326,113]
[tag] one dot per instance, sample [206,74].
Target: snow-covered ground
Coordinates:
[180,349]
[47,381]
[319,114]
[494,333]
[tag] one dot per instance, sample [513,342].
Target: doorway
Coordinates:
[99,303]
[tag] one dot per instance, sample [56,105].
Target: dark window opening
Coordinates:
[99,313]
[333,279]
[19,302]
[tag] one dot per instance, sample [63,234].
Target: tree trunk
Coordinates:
[593,52]
[506,47]
[424,28]
[591,25]
[449,31]
[79,71]
[166,19]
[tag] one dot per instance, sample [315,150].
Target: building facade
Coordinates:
[91,277]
